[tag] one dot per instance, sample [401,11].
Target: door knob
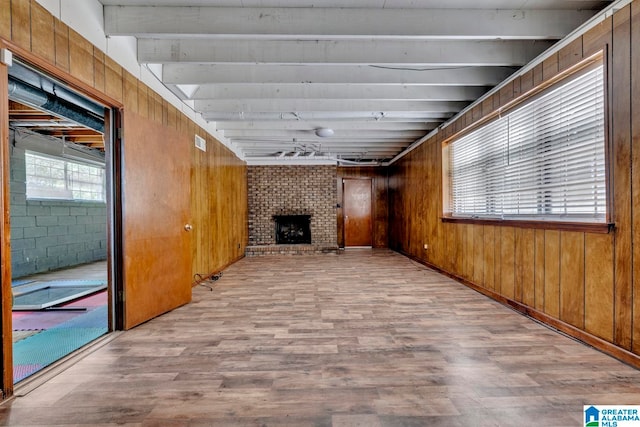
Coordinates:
[188,227]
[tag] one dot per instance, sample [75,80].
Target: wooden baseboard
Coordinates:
[570,330]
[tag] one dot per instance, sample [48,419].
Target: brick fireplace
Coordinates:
[288,191]
[293,229]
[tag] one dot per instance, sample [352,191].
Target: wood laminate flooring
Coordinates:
[367,338]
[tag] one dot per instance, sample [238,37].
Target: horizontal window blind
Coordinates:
[544,160]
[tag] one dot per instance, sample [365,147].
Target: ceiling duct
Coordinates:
[30,87]
[38,98]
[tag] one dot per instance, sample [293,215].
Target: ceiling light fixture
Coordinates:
[324,132]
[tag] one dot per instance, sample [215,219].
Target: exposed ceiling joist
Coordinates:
[176,73]
[334,148]
[417,53]
[376,4]
[338,152]
[277,105]
[318,22]
[352,116]
[264,126]
[353,135]
[336,91]
[380,73]
[377,146]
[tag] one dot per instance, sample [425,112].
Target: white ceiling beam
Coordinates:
[346,145]
[387,4]
[347,74]
[293,105]
[250,145]
[373,143]
[339,134]
[342,150]
[326,148]
[318,22]
[336,52]
[343,153]
[289,161]
[271,150]
[312,139]
[287,145]
[266,126]
[323,149]
[389,116]
[334,91]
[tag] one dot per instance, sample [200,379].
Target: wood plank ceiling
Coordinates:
[380,74]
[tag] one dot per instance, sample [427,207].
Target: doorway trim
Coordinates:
[113,142]
[6,358]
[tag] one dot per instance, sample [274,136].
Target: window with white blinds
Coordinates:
[544,160]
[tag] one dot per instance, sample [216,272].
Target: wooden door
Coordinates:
[357,212]
[156,208]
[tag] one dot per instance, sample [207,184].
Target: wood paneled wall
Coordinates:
[218,177]
[583,283]
[379,199]
[219,208]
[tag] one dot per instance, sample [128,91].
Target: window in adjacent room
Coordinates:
[57,178]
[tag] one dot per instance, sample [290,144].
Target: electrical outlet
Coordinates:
[426,246]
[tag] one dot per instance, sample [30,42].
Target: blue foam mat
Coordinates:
[48,346]
[96,318]
[21,372]
[15,283]
[38,351]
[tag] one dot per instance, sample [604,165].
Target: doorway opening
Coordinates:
[59,215]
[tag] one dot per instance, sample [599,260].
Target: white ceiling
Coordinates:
[380,73]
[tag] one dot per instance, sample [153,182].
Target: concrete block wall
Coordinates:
[292,190]
[48,234]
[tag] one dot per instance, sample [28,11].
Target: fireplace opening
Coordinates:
[293,229]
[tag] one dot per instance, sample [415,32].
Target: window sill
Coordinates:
[587,227]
